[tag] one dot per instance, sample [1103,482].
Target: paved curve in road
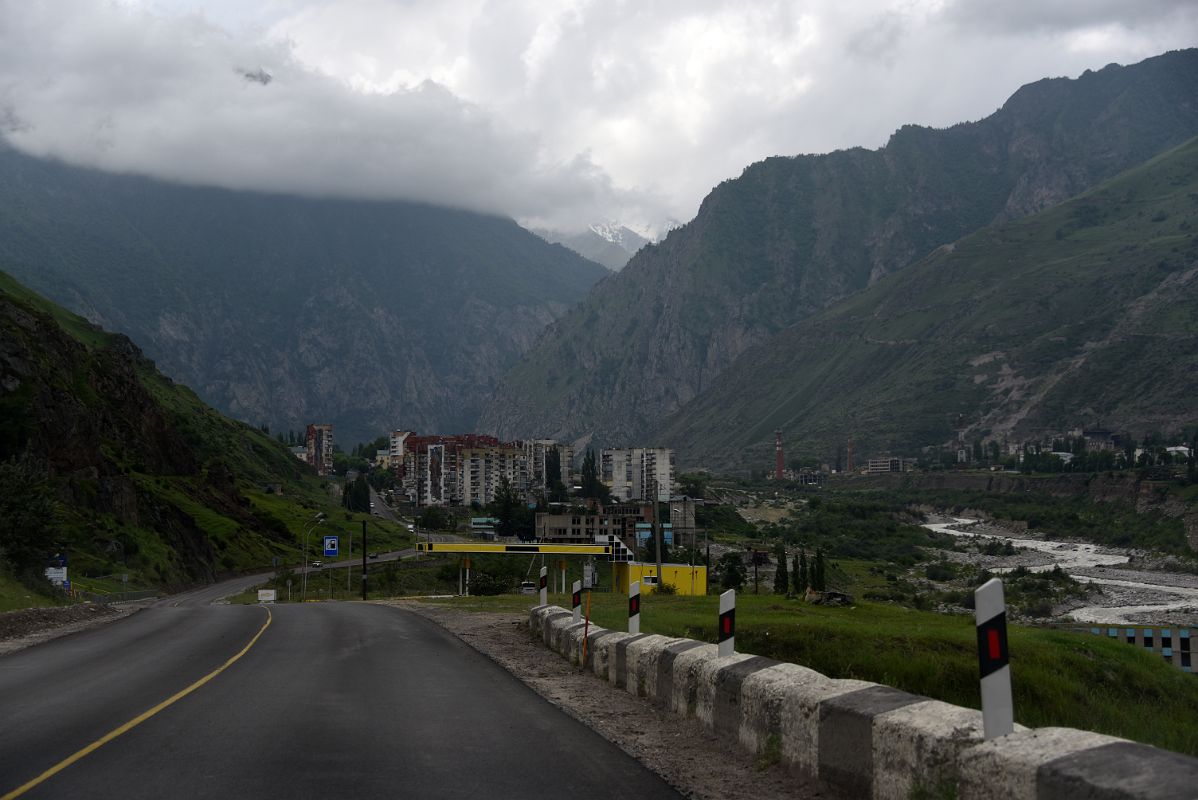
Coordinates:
[332,700]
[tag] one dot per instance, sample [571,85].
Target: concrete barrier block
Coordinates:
[571,641]
[1119,769]
[799,718]
[728,707]
[1007,767]
[846,744]
[915,747]
[650,653]
[661,688]
[594,635]
[685,670]
[554,621]
[766,695]
[634,655]
[706,684]
[536,619]
[605,654]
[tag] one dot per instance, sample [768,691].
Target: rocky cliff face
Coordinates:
[1082,315]
[791,236]
[288,310]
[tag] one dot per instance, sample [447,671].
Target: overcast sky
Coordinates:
[557,114]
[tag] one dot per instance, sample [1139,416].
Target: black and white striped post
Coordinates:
[998,710]
[544,586]
[727,633]
[576,601]
[634,607]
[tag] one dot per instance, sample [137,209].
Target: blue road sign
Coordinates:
[330,546]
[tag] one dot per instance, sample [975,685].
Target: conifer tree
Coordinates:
[801,574]
[819,578]
[781,577]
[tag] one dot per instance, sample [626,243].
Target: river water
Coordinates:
[1134,597]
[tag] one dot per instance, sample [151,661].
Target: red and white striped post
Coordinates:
[544,586]
[576,601]
[634,607]
[727,632]
[998,710]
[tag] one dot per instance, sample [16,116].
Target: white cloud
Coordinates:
[555,113]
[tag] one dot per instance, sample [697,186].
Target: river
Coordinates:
[1135,597]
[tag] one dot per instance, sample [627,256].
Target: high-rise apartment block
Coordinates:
[468,468]
[639,473]
[320,447]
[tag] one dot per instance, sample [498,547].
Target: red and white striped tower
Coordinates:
[778,462]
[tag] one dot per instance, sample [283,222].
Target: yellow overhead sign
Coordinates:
[516,549]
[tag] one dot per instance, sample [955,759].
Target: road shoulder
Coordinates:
[32,626]
[684,753]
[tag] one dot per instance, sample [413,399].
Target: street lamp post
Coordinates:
[319,518]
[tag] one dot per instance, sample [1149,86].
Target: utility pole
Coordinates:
[657,535]
[364,580]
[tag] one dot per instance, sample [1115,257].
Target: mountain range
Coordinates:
[1083,315]
[610,244]
[284,310]
[793,236]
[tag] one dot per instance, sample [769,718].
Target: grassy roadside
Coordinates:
[1059,678]
[14,595]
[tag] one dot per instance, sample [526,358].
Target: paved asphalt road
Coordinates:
[331,700]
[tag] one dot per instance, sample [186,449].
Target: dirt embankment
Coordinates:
[30,626]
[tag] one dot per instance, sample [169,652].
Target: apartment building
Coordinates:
[320,447]
[638,473]
[467,468]
[395,449]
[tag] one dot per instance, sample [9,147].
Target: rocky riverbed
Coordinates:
[1128,595]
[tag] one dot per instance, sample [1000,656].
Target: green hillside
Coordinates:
[103,456]
[791,236]
[290,310]
[1080,315]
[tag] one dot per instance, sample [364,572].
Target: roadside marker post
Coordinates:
[586,630]
[576,601]
[998,710]
[726,636]
[544,586]
[634,607]
[467,577]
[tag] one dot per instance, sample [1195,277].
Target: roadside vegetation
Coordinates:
[1059,677]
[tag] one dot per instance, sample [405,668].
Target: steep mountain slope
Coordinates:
[287,310]
[1083,314]
[793,235]
[132,473]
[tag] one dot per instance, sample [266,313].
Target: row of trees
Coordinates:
[801,576]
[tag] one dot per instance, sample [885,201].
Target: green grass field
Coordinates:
[15,595]
[1059,678]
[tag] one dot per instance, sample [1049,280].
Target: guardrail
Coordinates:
[861,738]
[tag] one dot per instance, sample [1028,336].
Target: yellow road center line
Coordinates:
[139,719]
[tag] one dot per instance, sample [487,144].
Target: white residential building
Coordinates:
[395,450]
[639,473]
